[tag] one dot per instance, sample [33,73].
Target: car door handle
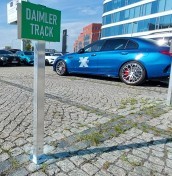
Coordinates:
[124,53]
[93,55]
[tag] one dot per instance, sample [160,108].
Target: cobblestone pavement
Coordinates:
[93,126]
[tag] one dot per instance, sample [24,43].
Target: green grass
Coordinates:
[94,138]
[106,165]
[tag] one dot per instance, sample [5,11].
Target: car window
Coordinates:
[114,44]
[56,54]
[47,54]
[94,47]
[5,52]
[131,45]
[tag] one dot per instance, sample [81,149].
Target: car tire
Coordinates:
[132,73]
[61,68]
[47,62]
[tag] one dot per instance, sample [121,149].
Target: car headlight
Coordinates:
[3,58]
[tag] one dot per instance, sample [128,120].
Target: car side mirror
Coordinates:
[82,50]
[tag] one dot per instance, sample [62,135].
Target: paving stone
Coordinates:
[168,171]
[16,151]
[20,141]
[153,167]
[22,158]
[4,166]
[3,157]
[89,168]
[65,165]
[115,170]
[139,153]
[77,172]
[18,172]
[169,163]
[125,165]
[103,173]
[140,170]
[39,173]
[158,153]
[52,169]
[32,167]
[77,160]
[156,160]
[109,157]
[7,145]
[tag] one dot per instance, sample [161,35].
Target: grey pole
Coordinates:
[38,101]
[169,95]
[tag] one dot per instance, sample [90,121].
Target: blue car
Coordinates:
[26,57]
[133,60]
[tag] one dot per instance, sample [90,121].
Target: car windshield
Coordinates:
[48,54]
[28,53]
[5,52]
[57,54]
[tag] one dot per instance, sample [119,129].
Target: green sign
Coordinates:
[38,22]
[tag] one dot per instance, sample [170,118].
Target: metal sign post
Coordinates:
[169,95]
[39,23]
[38,101]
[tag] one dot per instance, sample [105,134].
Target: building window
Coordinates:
[168,5]
[161,6]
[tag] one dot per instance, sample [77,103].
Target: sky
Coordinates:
[75,14]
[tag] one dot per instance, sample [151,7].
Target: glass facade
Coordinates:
[137,11]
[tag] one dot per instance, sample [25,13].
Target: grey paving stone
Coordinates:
[39,173]
[168,171]
[109,157]
[19,172]
[169,163]
[140,170]
[124,164]
[65,165]
[156,160]
[103,173]
[158,153]
[31,167]
[52,169]
[77,172]
[16,151]
[139,153]
[77,160]
[115,170]
[4,166]
[153,167]
[3,157]
[89,168]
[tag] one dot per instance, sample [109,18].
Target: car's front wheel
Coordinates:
[46,62]
[61,68]
[132,73]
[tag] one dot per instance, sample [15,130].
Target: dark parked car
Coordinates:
[7,58]
[14,50]
[133,60]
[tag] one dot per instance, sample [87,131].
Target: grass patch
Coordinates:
[44,167]
[106,165]
[94,138]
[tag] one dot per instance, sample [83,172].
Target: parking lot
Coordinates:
[93,126]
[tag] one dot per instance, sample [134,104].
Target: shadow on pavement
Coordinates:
[100,150]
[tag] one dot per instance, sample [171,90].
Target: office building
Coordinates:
[90,34]
[141,18]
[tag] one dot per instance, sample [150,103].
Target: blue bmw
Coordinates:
[133,60]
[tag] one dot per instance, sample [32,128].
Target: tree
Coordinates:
[27,45]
